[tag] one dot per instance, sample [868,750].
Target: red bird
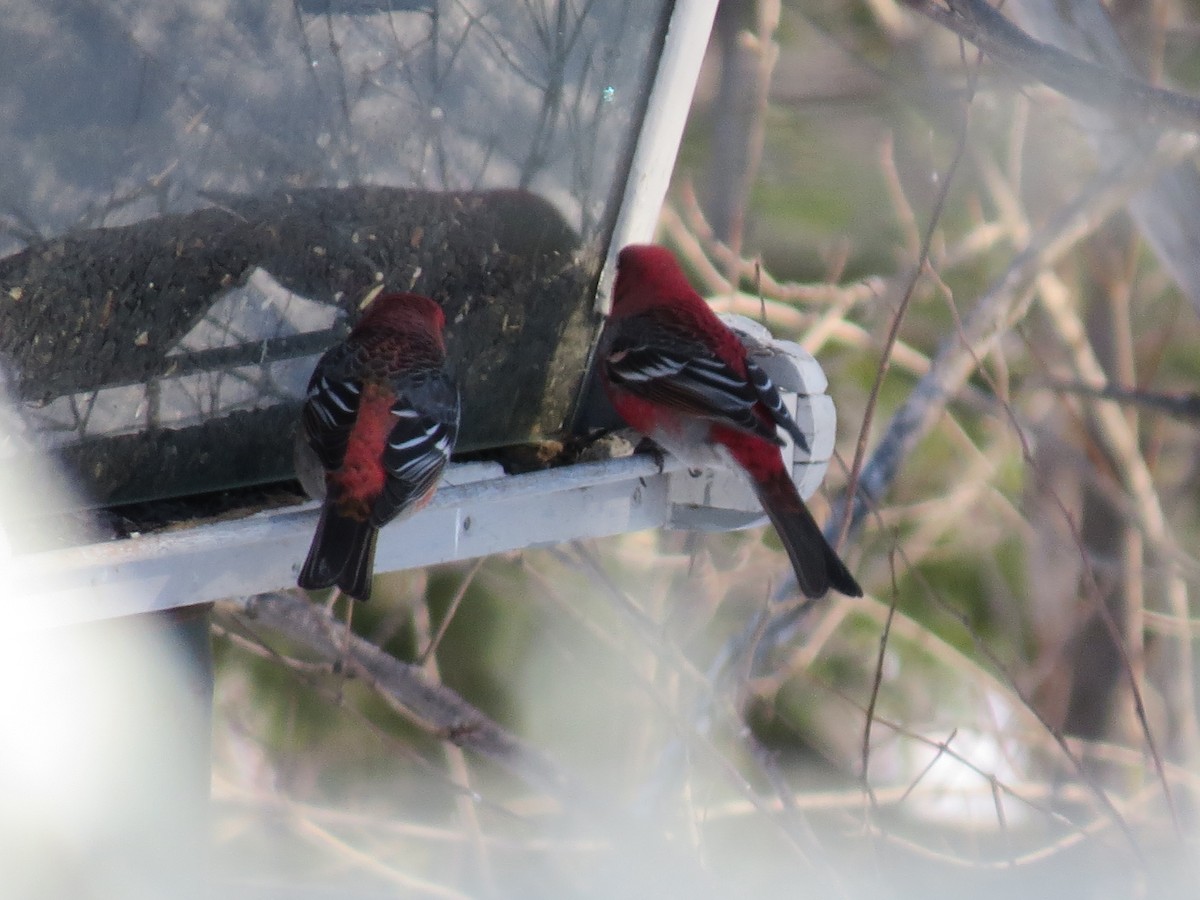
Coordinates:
[676,373]
[381,419]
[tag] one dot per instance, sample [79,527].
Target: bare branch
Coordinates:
[1098,86]
[435,707]
[1002,305]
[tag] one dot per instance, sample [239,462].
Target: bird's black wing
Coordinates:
[331,405]
[426,413]
[769,395]
[660,362]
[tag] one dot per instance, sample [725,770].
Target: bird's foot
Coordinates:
[648,447]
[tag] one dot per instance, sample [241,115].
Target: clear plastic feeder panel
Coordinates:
[197,197]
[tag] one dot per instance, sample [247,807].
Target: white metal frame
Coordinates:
[661,132]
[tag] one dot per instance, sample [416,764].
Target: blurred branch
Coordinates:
[778,301]
[436,708]
[1167,210]
[412,885]
[838,526]
[693,730]
[908,628]
[1096,85]
[1119,441]
[1112,96]
[1117,435]
[480,863]
[747,60]
[696,242]
[995,312]
[1184,407]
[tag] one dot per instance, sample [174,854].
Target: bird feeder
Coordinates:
[196,207]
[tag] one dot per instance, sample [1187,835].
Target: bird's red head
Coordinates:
[646,274]
[402,312]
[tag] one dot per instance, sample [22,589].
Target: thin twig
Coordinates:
[842,529]
[481,860]
[455,602]
[877,685]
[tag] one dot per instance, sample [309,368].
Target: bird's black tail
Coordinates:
[342,553]
[817,566]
